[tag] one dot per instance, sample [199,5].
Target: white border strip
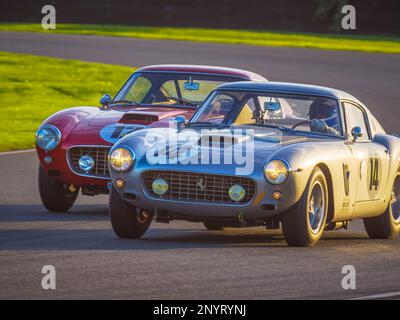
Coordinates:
[16,152]
[379,296]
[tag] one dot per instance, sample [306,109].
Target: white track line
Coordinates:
[16,152]
[379,296]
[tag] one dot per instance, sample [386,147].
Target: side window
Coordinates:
[169,88]
[246,114]
[138,90]
[355,116]
[217,110]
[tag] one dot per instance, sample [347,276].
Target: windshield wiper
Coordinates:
[124,101]
[182,100]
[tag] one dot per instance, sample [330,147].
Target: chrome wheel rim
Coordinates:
[316,208]
[395,200]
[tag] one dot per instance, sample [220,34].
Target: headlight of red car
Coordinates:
[48,137]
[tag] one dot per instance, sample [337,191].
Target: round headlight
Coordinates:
[48,137]
[121,159]
[237,192]
[276,171]
[160,186]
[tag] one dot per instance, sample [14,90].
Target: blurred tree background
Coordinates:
[373,16]
[331,10]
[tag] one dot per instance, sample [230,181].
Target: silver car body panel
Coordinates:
[344,162]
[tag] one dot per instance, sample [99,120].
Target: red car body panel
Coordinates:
[81,126]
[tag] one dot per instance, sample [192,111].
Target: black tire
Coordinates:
[127,221]
[385,226]
[55,195]
[296,224]
[213,226]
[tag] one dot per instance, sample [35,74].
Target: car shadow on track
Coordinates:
[155,239]
[87,227]
[35,213]
[105,239]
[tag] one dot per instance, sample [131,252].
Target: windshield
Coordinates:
[170,88]
[283,111]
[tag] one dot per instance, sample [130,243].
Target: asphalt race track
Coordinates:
[183,260]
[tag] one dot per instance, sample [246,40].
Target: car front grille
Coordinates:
[99,155]
[198,187]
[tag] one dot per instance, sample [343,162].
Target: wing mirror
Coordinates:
[357,133]
[180,122]
[105,100]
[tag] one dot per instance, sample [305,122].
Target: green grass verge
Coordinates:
[32,88]
[260,38]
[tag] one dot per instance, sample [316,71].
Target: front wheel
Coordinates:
[304,224]
[56,196]
[127,221]
[387,225]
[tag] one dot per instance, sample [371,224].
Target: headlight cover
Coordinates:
[121,159]
[276,171]
[48,137]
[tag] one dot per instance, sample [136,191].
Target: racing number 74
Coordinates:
[374,176]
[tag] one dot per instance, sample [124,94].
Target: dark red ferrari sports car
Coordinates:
[73,144]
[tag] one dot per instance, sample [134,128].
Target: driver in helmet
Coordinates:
[324,117]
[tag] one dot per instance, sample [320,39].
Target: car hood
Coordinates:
[142,115]
[253,143]
[107,126]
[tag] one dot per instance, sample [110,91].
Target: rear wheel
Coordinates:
[387,225]
[304,224]
[127,220]
[56,196]
[213,226]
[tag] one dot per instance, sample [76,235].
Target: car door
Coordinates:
[372,158]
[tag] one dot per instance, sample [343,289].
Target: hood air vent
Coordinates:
[138,117]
